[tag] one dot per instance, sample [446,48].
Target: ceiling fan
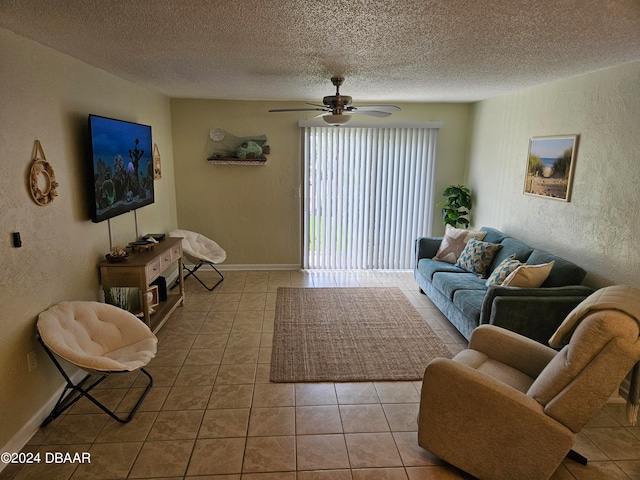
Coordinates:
[337,109]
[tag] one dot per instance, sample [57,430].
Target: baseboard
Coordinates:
[287,266]
[29,429]
[261,266]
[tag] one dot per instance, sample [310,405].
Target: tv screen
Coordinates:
[121,167]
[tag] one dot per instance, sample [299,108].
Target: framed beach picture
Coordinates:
[550,166]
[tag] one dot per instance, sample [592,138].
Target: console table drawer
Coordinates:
[176,252]
[120,277]
[165,260]
[153,270]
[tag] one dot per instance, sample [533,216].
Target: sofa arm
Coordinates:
[533,312]
[427,247]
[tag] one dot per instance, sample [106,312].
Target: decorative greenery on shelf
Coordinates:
[456,205]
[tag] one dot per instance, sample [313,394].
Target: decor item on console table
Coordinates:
[117,254]
[549,287]
[142,245]
[140,269]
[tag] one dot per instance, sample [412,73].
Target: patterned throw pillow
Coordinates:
[528,276]
[503,270]
[477,256]
[453,243]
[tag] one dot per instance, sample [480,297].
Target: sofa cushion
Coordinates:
[469,302]
[493,235]
[511,246]
[477,256]
[563,272]
[503,270]
[528,276]
[449,283]
[453,243]
[428,266]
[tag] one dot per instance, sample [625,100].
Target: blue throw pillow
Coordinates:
[477,256]
[503,270]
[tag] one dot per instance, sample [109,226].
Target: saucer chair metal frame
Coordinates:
[75,391]
[72,392]
[203,251]
[192,272]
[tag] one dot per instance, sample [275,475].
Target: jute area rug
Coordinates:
[350,334]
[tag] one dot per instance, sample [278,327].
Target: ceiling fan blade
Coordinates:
[373,113]
[338,105]
[298,110]
[384,108]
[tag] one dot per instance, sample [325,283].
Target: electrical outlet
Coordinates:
[32,360]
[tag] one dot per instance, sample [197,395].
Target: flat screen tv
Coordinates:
[121,167]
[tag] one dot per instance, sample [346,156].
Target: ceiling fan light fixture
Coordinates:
[336,120]
[334,107]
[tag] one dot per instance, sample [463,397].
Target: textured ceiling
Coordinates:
[402,50]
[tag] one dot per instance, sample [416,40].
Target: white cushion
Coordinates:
[528,276]
[97,336]
[199,247]
[453,243]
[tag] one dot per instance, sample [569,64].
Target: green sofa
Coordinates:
[468,302]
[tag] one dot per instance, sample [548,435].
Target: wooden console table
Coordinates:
[142,268]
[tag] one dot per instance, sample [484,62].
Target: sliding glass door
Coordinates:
[368,195]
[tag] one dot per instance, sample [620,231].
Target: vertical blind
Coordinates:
[368,195]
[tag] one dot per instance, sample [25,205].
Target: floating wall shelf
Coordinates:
[236,161]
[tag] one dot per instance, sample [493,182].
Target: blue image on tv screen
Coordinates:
[121,167]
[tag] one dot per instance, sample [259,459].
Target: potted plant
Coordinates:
[456,205]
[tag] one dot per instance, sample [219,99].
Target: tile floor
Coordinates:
[212,413]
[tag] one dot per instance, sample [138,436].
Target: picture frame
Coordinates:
[550,166]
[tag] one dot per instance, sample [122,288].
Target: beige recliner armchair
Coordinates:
[509,407]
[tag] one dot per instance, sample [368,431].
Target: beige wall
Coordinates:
[599,227]
[47,95]
[251,210]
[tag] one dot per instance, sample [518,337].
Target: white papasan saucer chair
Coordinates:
[201,251]
[99,338]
